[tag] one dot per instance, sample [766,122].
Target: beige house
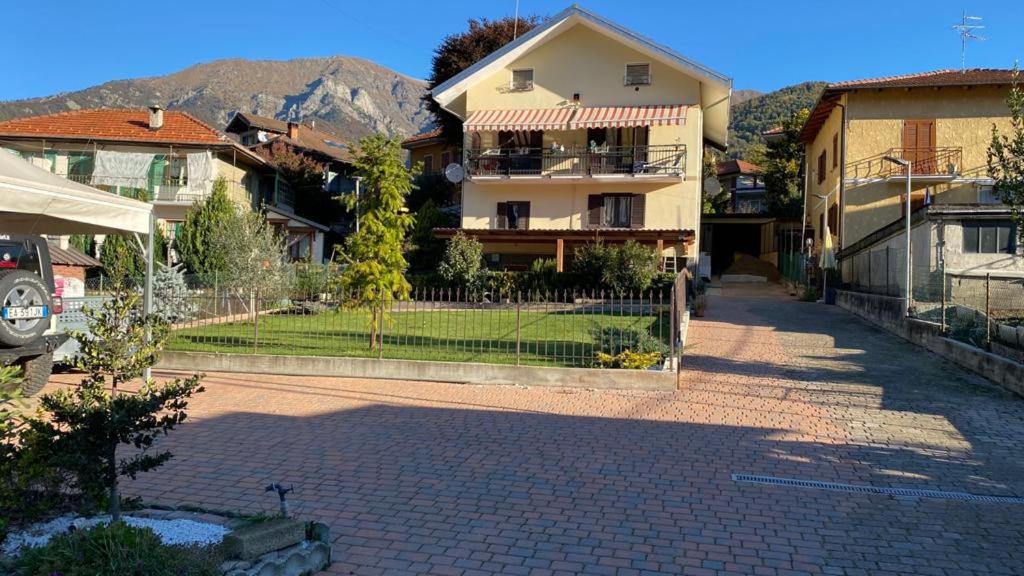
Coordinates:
[942,123]
[430,151]
[582,130]
[168,158]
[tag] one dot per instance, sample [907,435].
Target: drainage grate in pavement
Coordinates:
[911,492]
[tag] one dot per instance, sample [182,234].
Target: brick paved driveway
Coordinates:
[448,479]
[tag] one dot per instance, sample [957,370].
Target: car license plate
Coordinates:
[25,312]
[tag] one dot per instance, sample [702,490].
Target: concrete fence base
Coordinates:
[455,372]
[888,313]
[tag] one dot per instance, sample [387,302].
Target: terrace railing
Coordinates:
[933,161]
[655,160]
[162,190]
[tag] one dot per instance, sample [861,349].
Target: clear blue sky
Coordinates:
[63,45]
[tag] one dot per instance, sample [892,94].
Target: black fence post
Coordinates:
[988,309]
[519,325]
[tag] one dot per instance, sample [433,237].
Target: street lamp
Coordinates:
[906,164]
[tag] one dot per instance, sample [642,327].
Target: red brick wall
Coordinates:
[69,271]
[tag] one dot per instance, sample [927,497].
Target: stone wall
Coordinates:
[887,312]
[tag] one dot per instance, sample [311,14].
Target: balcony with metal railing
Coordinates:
[657,162]
[933,163]
[176,190]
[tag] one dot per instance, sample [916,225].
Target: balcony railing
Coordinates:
[661,160]
[935,161]
[163,190]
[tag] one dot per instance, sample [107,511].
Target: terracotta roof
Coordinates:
[309,138]
[422,138]
[737,167]
[71,256]
[935,79]
[122,125]
[773,131]
[971,77]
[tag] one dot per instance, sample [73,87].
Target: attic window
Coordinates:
[522,79]
[638,74]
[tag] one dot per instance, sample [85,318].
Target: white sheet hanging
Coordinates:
[128,169]
[200,172]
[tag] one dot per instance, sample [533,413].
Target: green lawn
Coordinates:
[558,338]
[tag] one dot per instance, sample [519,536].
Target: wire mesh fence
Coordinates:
[981,309]
[314,316]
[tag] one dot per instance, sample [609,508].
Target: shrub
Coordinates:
[171,299]
[628,360]
[117,549]
[613,341]
[589,263]
[543,276]
[462,263]
[662,284]
[631,267]
[969,329]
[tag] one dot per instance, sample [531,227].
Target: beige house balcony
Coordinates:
[933,164]
[666,163]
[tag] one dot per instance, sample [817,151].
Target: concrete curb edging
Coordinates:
[453,372]
[887,312]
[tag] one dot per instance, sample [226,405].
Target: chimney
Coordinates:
[293,130]
[156,117]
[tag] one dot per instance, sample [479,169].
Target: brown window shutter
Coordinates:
[637,208]
[524,215]
[502,211]
[594,206]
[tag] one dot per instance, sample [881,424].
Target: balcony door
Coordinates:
[919,145]
[521,150]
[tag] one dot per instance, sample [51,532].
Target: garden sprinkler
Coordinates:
[281,493]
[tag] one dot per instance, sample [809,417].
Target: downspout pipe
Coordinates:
[842,177]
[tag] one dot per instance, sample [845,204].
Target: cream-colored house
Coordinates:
[942,123]
[582,130]
[168,158]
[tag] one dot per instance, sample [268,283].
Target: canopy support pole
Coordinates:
[147,294]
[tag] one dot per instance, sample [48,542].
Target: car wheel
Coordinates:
[21,289]
[35,373]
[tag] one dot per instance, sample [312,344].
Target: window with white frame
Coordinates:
[638,74]
[522,79]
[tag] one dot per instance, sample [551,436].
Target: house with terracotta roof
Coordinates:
[163,156]
[259,133]
[745,185]
[582,129]
[431,151]
[941,122]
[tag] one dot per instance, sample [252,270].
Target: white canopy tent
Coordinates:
[34,201]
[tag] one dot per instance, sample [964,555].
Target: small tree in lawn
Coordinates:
[88,424]
[461,265]
[171,299]
[204,219]
[632,267]
[376,265]
[1006,157]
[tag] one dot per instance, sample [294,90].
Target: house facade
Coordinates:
[745,185]
[168,158]
[582,130]
[258,133]
[432,152]
[942,123]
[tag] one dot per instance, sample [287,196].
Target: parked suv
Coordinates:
[28,309]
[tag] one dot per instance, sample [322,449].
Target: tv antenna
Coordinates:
[967,29]
[515,22]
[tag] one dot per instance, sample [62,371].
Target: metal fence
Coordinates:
[984,310]
[314,316]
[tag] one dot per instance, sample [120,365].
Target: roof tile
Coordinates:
[128,125]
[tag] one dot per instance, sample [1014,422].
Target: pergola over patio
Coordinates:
[554,242]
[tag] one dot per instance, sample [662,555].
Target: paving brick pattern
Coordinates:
[418,478]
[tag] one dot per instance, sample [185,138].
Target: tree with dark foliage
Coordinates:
[1006,157]
[460,51]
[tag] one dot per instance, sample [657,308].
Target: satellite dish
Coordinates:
[712,185]
[454,173]
[261,136]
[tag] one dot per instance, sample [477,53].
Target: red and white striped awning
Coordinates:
[629,116]
[540,119]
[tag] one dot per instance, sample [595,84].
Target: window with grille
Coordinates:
[638,74]
[988,237]
[522,79]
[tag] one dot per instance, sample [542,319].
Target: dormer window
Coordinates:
[522,80]
[638,74]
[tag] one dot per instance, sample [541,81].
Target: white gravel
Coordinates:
[171,532]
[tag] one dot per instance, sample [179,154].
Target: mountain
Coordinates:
[740,96]
[752,116]
[349,97]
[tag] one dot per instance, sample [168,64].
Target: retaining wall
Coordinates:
[457,372]
[888,313]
